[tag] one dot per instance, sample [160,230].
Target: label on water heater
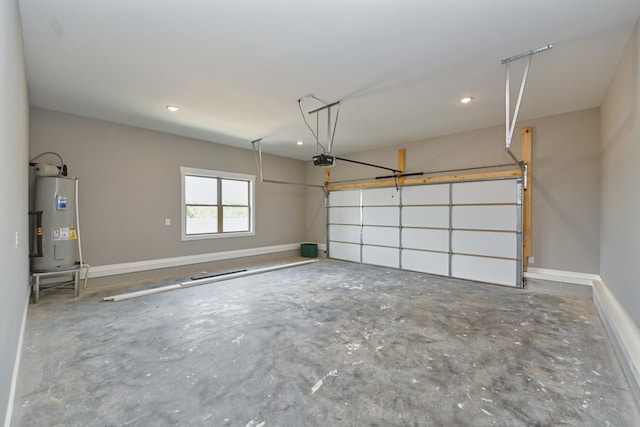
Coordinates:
[63,233]
[61,203]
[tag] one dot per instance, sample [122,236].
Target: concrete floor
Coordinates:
[325,344]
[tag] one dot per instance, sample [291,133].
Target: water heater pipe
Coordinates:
[38,233]
[82,264]
[62,168]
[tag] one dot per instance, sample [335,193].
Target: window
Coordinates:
[216,204]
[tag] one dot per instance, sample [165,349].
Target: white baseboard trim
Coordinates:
[585,279]
[16,367]
[154,264]
[623,333]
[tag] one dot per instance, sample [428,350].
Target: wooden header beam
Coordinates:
[430,180]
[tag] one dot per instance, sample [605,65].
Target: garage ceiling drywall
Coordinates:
[237,68]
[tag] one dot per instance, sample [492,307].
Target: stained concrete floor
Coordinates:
[325,344]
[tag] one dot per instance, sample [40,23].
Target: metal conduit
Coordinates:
[258,156]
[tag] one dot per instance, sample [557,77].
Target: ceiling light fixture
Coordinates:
[172,108]
[466,100]
[300,142]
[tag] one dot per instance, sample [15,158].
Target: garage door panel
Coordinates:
[344,251]
[425,216]
[491,270]
[380,197]
[376,255]
[484,192]
[437,194]
[389,216]
[344,216]
[425,262]
[345,233]
[344,198]
[469,230]
[382,236]
[485,243]
[424,238]
[485,217]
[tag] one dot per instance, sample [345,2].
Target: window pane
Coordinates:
[216,204]
[201,219]
[200,190]
[235,218]
[235,192]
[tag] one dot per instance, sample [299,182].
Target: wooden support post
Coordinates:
[327,176]
[526,213]
[401,164]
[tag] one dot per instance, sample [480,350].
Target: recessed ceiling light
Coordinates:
[466,100]
[300,143]
[172,108]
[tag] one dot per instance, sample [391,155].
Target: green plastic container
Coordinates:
[309,250]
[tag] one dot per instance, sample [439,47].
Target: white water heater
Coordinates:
[56,237]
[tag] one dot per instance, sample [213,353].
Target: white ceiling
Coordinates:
[237,68]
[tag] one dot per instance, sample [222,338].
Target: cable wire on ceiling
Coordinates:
[315,136]
[331,134]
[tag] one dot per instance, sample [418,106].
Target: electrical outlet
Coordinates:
[530,260]
[167,221]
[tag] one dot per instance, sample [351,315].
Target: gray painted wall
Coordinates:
[129,182]
[566,202]
[14,263]
[620,209]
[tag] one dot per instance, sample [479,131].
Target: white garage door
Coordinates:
[470,230]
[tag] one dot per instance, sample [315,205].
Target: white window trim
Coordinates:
[184,171]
